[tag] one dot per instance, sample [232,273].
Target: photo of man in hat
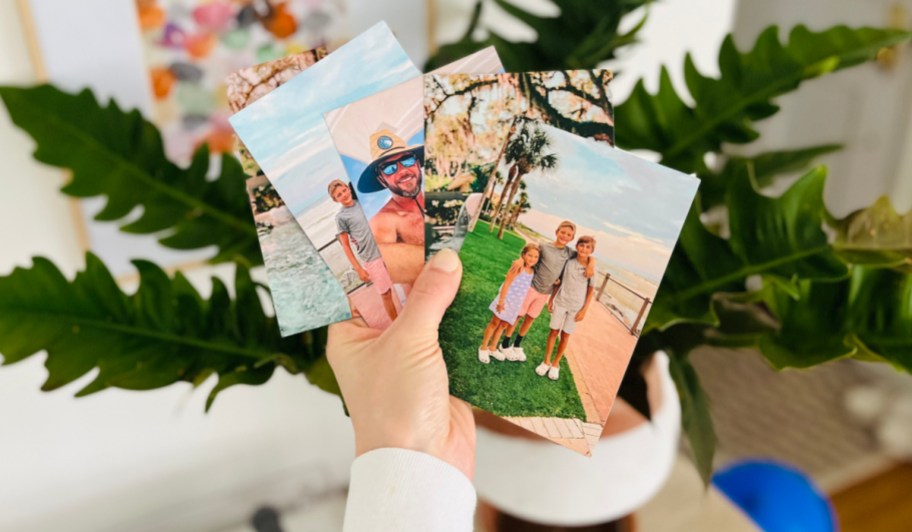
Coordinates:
[398,227]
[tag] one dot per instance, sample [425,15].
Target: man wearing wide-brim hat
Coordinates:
[398,227]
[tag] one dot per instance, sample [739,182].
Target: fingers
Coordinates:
[342,335]
[431,294]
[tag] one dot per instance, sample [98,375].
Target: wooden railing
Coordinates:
[634,328]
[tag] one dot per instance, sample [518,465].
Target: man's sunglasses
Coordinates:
[390,168]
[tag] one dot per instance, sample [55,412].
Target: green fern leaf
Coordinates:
[868,315]
[726,107]
[163,333]
[876,236]
[120,155]
[775,237]
[584,34]
[762,169]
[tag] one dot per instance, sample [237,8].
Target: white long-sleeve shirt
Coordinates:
[403,490]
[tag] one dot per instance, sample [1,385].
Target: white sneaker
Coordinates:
[507,352]
[517,355]
[542,369]
[554,373]
[484,356]
[498,354]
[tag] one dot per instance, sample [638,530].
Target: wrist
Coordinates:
[461,456]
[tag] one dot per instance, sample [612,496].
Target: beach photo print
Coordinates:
[305,294]
[558,280]
[380,139]
[285,133]
[468,118]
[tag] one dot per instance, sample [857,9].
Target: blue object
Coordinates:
[776,496]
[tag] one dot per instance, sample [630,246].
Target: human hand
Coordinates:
[551,306]
[363,275]
[395,382]
[500,306]
[580,315]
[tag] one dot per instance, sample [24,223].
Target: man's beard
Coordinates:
[407,194]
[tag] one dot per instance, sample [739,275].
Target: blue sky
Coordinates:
[285,131]
[634,208]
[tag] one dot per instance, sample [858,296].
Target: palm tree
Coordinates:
[488,198]
[489,189]
[526,153]
[522,206]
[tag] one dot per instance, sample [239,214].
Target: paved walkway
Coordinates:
[571,433]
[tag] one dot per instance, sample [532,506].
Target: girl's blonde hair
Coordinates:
[529,247]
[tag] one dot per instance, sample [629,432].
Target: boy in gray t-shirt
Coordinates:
[354,229]
[568,304]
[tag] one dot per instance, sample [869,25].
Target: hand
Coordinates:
[551,306]
[499,307]
[395,383]
[362,273]
[580,315]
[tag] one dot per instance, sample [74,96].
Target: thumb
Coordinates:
[431,294]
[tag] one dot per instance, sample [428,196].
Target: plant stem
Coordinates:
[718,282]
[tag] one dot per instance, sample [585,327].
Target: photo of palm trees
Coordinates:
[468,120]
[524,152]
[590,229]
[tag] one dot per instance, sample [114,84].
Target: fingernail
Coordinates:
[446,260]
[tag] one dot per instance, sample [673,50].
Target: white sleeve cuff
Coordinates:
[399,489]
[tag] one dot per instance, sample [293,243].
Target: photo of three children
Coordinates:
[548,274]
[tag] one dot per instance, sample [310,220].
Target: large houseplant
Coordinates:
[787,277]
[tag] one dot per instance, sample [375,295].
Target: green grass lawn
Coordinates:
[504,388]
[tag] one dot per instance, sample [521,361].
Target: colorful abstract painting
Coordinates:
[190,46]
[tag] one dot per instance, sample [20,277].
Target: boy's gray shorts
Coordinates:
[564,319]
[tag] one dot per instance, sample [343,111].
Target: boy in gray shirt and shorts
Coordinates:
[568,304]
[354,229]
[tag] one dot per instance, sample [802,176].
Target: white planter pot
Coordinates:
[544,483]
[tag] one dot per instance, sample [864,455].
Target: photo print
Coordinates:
[380,139]
[286,134]
[247,85]
[468,118]
[305,294]
[558,280]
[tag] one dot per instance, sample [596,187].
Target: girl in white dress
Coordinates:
[505,307]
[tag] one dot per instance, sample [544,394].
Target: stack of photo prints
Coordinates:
[361,167]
